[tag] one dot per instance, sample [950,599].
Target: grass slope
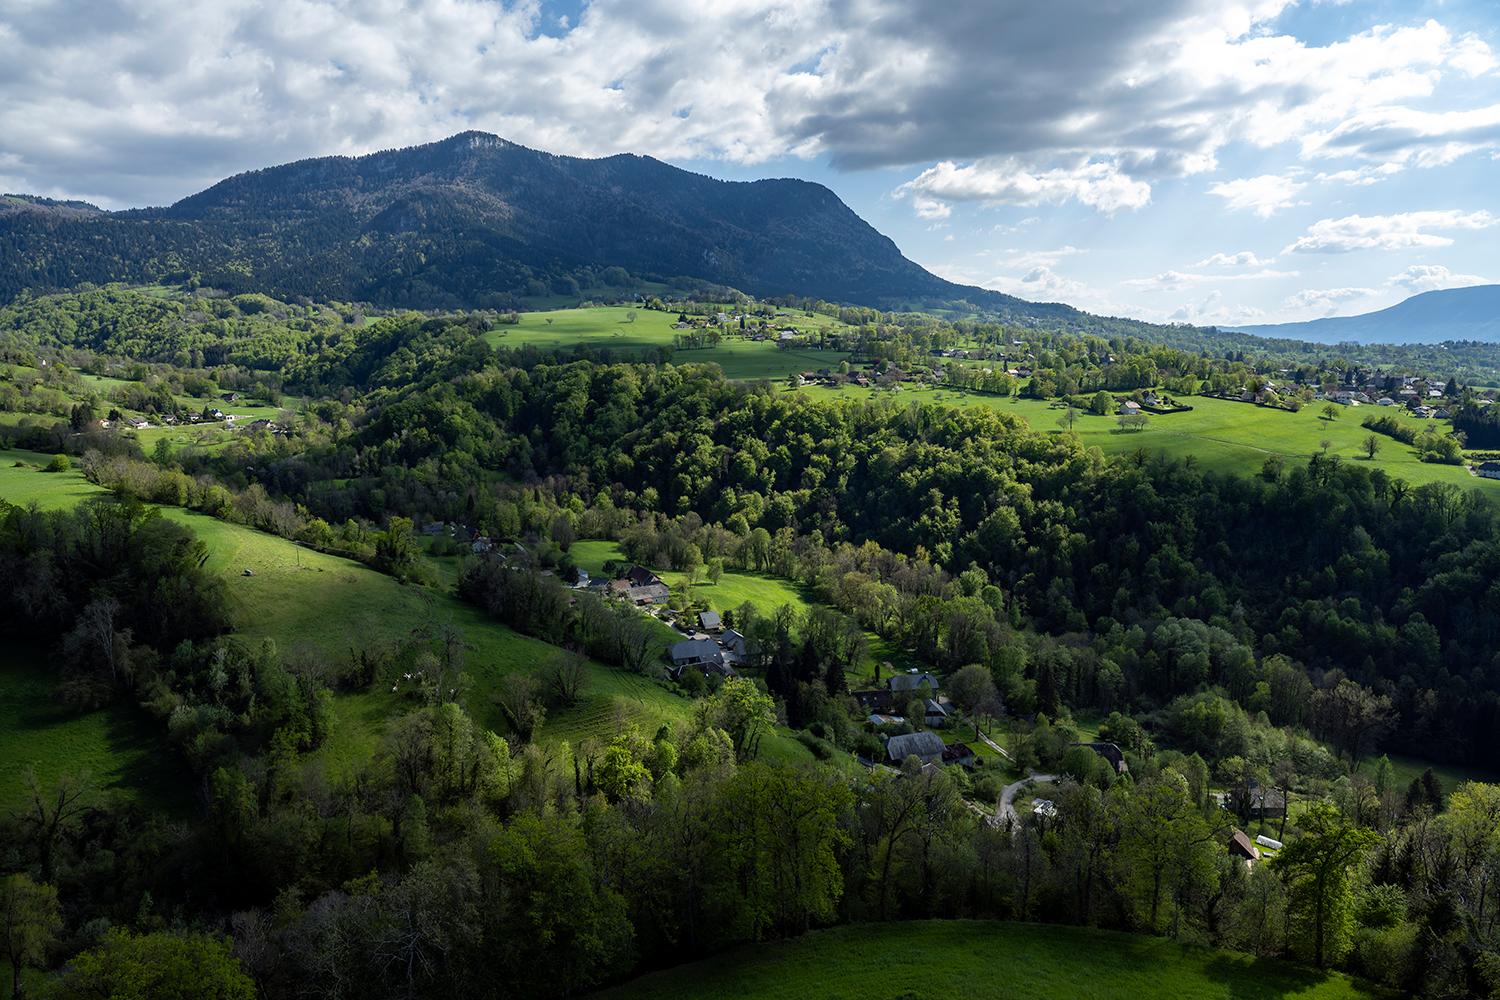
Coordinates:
[1220,435]
[986,960]
[316,606]
[609,327]
[122,750]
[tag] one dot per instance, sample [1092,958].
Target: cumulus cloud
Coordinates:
[1403,231]
[1265,195]
[1326,301]
[1430,277]
[1245,258]
[1018,103]
[1096,183]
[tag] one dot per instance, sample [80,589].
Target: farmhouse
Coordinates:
[959,753]
[1241,848]
[1489,470]
[709,621]
[934,714]
[926,747]
[736,647]
[910,681]
[1110,752]
[653,593]
[640,576]
[703,653]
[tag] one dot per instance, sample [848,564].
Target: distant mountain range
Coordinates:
[476,221]
[1429,318]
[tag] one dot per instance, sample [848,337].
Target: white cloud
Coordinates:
[1430,277]
[1096,183]
[1172,280]
[1265,195]
[1326,301]
[1040,282]
[1245,258]
[1025,103]
[1359,176]
[1403,231]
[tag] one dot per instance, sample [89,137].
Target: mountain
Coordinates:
[476,221]
[1429,318]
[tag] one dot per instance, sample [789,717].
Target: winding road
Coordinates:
[1007,808]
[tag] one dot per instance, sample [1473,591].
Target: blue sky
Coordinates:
[1213,161]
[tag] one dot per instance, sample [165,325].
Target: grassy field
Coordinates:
[1220,435]
[986,960]
[319,607]
[121,749]
[610,327]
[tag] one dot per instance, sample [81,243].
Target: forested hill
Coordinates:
[476,221]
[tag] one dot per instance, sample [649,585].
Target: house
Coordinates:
[704,653]
[654,593]
[1129,406]
[640,576]
[926,747]
[910,681]
[881,719]
[481,545]
[1489,470]
[1385,401]
[874,701]
[1241,848]
[1045,808]
[1257,801]
[934,714]
[709,621]
[1110,752]
[736,647]
[959,753]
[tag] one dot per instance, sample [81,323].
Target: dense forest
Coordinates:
[1280,630]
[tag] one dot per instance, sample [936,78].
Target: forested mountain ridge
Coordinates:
[475,220]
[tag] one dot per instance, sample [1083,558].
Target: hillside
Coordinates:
[985,960]
[475,220]
[1451,314]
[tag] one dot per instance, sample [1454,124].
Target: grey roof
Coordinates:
[696,651]
[910,682]
[708,619]
[924,745]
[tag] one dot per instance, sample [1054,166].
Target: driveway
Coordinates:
[1007,810]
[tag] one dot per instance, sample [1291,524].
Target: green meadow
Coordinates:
[986,960]
[1219,435]
[121,749]
[612,328]
[323,608]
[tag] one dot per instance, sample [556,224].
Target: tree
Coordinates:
[741,710]
[1371,445]
[1316,868]
[1068,419]
[556,926]
[396,547]
[1330,412]
[181,966]
[779,833]
[564,678]
[50,813]
[1167,850]
[30,921]
[517,698]
[1352,717]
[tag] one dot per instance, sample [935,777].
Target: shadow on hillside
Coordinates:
[1268,979]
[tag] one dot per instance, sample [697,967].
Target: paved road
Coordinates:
[1007,810]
